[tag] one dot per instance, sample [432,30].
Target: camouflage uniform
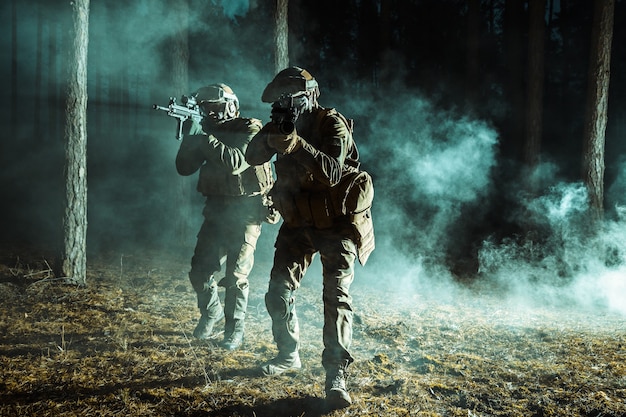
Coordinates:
[233,215]
[303,194]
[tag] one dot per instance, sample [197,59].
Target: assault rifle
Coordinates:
[188,110]
[284,114]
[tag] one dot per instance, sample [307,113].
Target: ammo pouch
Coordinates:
[353,197]
[314,207]
[253,181]
[217,182]
[353,194]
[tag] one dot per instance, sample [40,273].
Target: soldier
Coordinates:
[325,203]
[233,212]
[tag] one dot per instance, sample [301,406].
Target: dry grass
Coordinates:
[122,346]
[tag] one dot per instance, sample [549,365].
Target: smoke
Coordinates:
[431,169]
[437,202]
[561,261]
[234,8]
[439,211]
[134,190]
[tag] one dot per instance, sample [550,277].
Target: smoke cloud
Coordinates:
[435,170]
[434,179]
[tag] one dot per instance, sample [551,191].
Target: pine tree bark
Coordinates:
[597,104]
[513,13]
[14,68]
[534,107]
[281,35]
[74,258]
[180,81]
[37,122]
[473,52]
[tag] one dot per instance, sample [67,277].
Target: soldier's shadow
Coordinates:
[284,407]
[303,405]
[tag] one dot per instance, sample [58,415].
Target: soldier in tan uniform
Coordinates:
[234,210]
[325,202]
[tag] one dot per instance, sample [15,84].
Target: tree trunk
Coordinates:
[74,258]
[534,101]
[37,122]
[473,52]
[180,80]
[14,69]
[597,104]
[384,43]
[281,36]
[54,96]
[513,13]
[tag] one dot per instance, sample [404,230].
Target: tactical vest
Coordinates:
[217,180]
[350,198]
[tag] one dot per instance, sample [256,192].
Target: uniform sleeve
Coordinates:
[231,153]
[190,156]
[258,151]
[325,163]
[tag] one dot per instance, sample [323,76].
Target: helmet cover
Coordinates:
[219,100]
[290,81]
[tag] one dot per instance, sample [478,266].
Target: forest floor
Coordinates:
[122,346]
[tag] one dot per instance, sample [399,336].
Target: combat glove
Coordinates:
[192,127]
[285,144]
[281,142]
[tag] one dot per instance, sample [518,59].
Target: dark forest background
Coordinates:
[432,89]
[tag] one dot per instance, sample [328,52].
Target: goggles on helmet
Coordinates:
[217,101]
[215,94]
[293,81]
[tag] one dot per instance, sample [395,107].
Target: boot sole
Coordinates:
[336,400]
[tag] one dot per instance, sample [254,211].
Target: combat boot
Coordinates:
[233,334]
[235,306]
[281,364]
[210,310]
[204,328]
[336,392]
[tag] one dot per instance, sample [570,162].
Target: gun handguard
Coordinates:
[189,110]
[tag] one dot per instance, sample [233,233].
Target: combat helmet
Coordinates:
[218,101]
[292,81]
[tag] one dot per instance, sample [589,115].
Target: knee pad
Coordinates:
[280,306]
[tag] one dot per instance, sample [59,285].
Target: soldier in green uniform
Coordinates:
[234,210]
[325,201]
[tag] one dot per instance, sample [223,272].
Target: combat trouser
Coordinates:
[232,234]
[295,249]
[239,263]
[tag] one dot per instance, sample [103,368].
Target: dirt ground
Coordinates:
[122,346]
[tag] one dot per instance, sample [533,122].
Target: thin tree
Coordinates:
[13,68]
[281,35]
[384,42]
[37,122]
[473,51]
[74,257]
[55,66]
[597,104]
[534,99]
[180,80]
[513,47]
